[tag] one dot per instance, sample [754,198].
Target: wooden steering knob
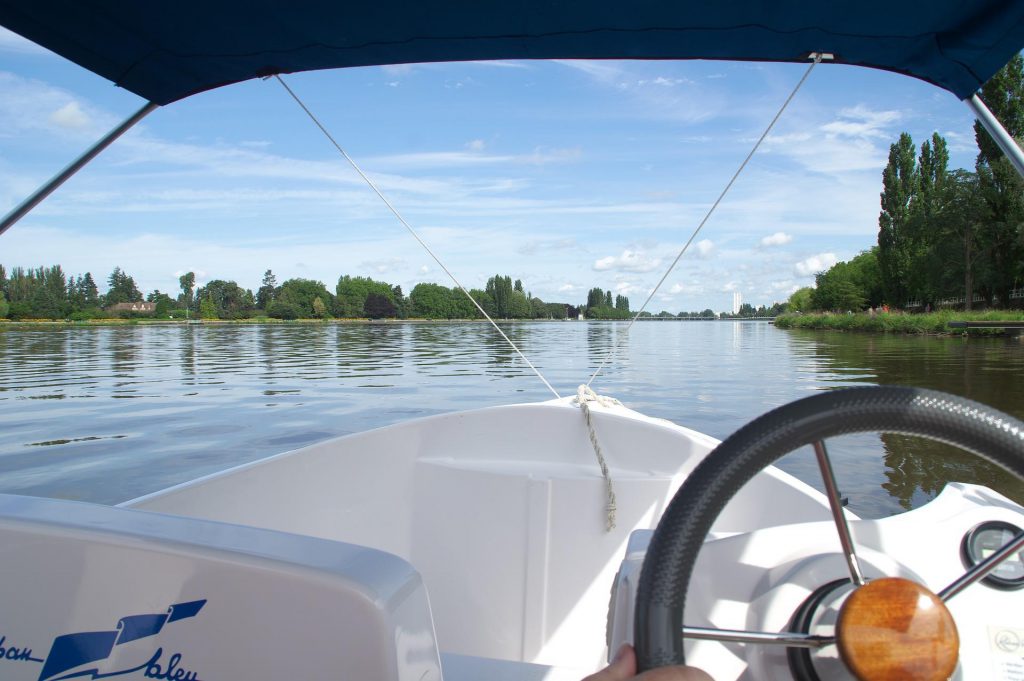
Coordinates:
[893,628]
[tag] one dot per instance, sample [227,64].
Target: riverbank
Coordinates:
[141,321]
[894,322]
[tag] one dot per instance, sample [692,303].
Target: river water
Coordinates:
[105,414]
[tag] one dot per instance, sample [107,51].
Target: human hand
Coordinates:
[623,668]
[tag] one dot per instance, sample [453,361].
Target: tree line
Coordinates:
[945,237]
[50,293]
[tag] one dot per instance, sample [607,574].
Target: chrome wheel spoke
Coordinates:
[791,639]
[983,568]
[836,504]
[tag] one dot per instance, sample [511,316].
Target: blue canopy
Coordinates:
[164,51]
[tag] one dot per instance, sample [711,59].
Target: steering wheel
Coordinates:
[876,612]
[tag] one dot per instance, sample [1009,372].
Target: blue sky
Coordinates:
[566,175]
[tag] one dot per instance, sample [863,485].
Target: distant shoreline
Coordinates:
[930,323]
[53,323]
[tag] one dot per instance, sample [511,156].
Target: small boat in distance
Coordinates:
[458,547]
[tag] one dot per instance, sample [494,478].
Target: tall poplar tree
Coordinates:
[187,282]
[900,182]
[1001,234]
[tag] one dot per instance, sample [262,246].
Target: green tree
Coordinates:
[800,300]
[90,295]
[924,228]
[230,301]
[207,308]
[519,306]
[1001,231]
[500,289]
[4,306]
[353,291]
[265,294]
[900,182]
[379,306]
[301,293]
[959,251]
[164,303]
[122,289]
[540,310]
[622,303]
[485,300]
[283,309]
[319,309]
[432,301]
[187,282]
[400,301]
[848,285]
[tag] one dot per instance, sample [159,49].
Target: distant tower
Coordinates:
[737,300]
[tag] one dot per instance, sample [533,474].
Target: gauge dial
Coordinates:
[983,541]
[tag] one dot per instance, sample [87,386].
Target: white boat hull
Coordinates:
[468,545]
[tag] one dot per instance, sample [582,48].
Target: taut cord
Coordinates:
[817,57]
[412,231]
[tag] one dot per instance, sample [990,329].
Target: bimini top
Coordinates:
[164,51]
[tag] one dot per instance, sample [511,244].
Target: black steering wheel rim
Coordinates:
[672,553]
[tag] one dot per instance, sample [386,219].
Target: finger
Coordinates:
[622,668]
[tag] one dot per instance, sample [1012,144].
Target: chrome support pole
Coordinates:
[993,127]
[838,515]
[983,568]
[789,639]
[60,178]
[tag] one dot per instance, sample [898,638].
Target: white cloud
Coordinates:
[629,261]
[859,121]
[475,145]
[704,248]
[628,288]
[691,289]
[382,266]
[30,106]
[814,264]
[856,140]
[786,286]
[777,239]
[662,81]
[70,116]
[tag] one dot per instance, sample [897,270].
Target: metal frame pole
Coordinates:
[60,178]
[1006,143]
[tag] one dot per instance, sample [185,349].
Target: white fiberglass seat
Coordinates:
[92,591]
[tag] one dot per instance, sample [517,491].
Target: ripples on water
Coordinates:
[109,413]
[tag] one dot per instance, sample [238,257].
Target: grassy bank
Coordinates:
[931,322]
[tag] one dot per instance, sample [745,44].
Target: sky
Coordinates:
[567,175]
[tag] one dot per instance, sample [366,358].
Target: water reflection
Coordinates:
[982,369]
[206,397]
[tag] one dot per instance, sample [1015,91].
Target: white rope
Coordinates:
[584,396]
[615,346]
[416,236]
